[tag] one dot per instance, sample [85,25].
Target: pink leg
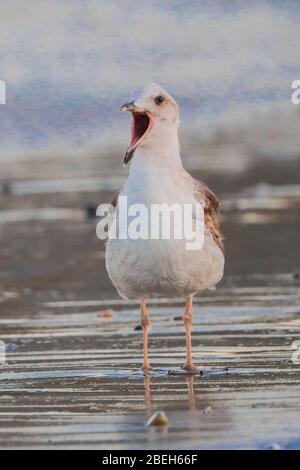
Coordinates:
[145,322]
[187,318]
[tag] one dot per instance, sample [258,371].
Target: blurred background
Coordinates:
[69,66]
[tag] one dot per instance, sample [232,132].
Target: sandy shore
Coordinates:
[71,378]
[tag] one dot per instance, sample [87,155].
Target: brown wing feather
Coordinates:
[211,210]
[114,199]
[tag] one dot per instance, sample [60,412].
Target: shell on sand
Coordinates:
[158,419]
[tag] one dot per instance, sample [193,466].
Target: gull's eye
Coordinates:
[159,100]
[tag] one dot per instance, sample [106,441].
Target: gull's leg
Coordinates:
[187,318]
[145,322]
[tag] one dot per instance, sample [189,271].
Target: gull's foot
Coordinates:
[147,368]
[190,368]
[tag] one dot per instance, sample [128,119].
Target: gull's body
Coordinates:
[145,267]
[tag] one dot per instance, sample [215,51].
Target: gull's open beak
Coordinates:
[142,122]
[130,106]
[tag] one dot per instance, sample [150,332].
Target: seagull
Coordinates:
[144,268]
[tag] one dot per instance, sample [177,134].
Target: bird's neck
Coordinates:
[159,153]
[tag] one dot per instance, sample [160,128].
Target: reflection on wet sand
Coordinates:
[76,374]
[190,393]
[148,396]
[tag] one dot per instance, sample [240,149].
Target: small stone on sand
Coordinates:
[105,313]
[207,410]
[158,419]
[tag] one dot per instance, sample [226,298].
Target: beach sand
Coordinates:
[72,378]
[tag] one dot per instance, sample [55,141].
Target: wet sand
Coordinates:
[72,378]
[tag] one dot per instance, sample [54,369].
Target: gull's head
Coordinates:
[152,110]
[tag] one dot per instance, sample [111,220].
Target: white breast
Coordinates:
[143,268]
